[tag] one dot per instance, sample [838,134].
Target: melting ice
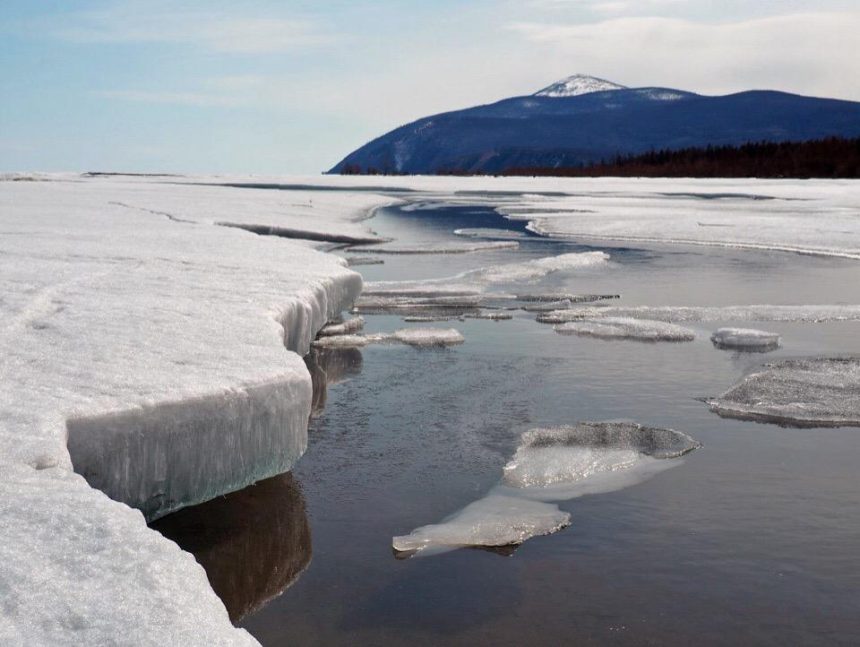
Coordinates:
[552,464]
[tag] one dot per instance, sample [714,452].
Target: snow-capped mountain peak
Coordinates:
[578,84]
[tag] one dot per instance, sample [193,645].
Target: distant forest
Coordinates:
[834,157]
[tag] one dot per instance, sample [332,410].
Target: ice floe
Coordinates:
[341,341]
[440,248]
[487,232]
[626,328]
[813,392]
[798,313]
[745,339]
[552,464]
[429,336]
[342,328]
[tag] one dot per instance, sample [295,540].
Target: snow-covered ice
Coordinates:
[552,464]
[814,392]
[627,328]
[429,336]
[745,339]
[134,333]
[798,313]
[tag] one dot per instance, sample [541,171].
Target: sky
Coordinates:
[268,87]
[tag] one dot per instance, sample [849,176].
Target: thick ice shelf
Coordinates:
[816,392]
[552,464]
[159,355]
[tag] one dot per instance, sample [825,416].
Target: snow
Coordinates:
[814,392]
[627,328]
[576,85]
[79,569]
[135,333]
[552,464]
[745,339]
[798,313]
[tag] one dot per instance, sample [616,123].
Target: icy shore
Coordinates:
[157,356]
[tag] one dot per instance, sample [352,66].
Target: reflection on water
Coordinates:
[253,543]
[330,366]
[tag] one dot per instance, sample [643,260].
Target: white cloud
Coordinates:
[812,53]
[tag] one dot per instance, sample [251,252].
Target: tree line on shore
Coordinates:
[832,157]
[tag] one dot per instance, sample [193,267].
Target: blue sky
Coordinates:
[291,87]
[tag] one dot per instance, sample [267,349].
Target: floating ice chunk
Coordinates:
[487,232]
[800,313]
[417,290]
[429,336]
[573,298]
[492,316]
[427,318]
[542,466]
[816,392]
[442,248]
[341,341]
[616,435]
[535,269]
[344,328]
[745,339]
[496,520]
[546,306]
[627,328]
[352,261]
[553,464]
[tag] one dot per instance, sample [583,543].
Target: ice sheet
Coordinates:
[161,356]
[816,392]
[627,328]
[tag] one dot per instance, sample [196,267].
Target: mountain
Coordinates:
[583,120]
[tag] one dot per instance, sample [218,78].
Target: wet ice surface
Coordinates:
[801,313]
[552,464]
[452,248]
[626,328]
[722,540]
[745,339]
[816,392]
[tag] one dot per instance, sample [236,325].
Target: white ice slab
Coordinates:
[745,339]
[627,328]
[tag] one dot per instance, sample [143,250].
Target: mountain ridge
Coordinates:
[588,127]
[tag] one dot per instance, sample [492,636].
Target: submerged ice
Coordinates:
[552,464]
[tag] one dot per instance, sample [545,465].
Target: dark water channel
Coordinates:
[753,539]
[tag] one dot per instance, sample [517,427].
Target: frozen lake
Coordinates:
[751,539]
